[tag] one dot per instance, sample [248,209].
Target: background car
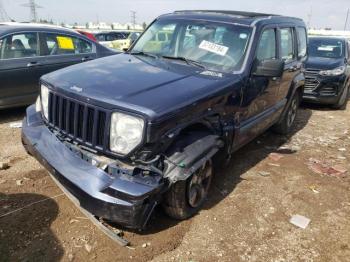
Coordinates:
[91,36]
[28,51]
[123,44]
[327,71]
[106,38]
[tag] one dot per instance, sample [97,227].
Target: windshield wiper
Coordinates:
[143,53]
[188,61]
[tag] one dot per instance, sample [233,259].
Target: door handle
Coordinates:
[31,64]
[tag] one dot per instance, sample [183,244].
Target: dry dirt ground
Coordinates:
[246,217]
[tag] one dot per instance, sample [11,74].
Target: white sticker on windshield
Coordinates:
[214,48]
[326,48]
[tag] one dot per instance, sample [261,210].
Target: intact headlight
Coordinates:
[45,101]
[334,72]
[126,133]
[38,105]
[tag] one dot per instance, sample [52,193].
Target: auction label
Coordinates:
[65,42]
[214,48]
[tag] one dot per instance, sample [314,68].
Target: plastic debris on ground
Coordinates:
[314,189]
[322,168]
[300,221]
[275,156]
[16,125]
[263,173]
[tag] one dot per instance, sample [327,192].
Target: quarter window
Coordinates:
[53,44]
[267,45]
[19,46]
[287,47]
[302,41]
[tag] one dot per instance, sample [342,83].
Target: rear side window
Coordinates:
[52,44]
[302,41]
[19,46]
[287,44]
[267,45]
[100,37]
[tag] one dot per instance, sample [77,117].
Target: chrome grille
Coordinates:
[311,82]
[81,122]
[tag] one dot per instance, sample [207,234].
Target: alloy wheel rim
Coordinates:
[292,112]
[199,184]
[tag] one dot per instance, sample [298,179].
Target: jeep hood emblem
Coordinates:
[76,88]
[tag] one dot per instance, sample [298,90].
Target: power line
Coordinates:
[3,14]
[32,7]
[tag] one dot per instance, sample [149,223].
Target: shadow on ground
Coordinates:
[26,235]
[12,114]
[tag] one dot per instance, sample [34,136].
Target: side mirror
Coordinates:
[269,68]
[125,49]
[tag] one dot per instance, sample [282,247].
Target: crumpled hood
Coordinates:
[144,84]
[323,63]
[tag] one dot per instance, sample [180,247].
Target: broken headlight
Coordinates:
[126,132]
[45,101]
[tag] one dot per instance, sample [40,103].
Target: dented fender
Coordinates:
[181,165]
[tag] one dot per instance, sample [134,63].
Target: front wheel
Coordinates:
[186,198]
[343,100]
[286,123]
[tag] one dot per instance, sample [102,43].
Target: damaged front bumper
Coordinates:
[119,197]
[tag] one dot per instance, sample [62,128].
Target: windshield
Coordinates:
[217,46]
[328,48]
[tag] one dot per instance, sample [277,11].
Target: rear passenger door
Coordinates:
[288,46]
[62,50]
[20,68]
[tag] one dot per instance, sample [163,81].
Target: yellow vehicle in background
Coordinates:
[123,44]
[158,41]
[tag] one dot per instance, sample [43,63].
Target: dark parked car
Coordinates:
[28,51]
[327,71]
[123,134]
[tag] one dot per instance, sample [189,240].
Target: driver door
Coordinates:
[260,93]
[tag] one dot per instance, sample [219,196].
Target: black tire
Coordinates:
[343,100]
[285,125]
[178,203]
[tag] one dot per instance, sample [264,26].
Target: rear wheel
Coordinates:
[286,124]
[185,198]
[343,100]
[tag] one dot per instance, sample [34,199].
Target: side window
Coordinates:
[52,44]
[302,41]
[287,44]
[267,45]
[19,46]
[82,46]
[100,37]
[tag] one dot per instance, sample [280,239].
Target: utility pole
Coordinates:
[309,16]
[133,18]
[3,14]
[32,7]
[347,18]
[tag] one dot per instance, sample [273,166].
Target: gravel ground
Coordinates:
[246,217]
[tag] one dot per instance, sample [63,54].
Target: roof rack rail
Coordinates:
[227,12]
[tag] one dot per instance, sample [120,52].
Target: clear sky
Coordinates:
[325,13]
